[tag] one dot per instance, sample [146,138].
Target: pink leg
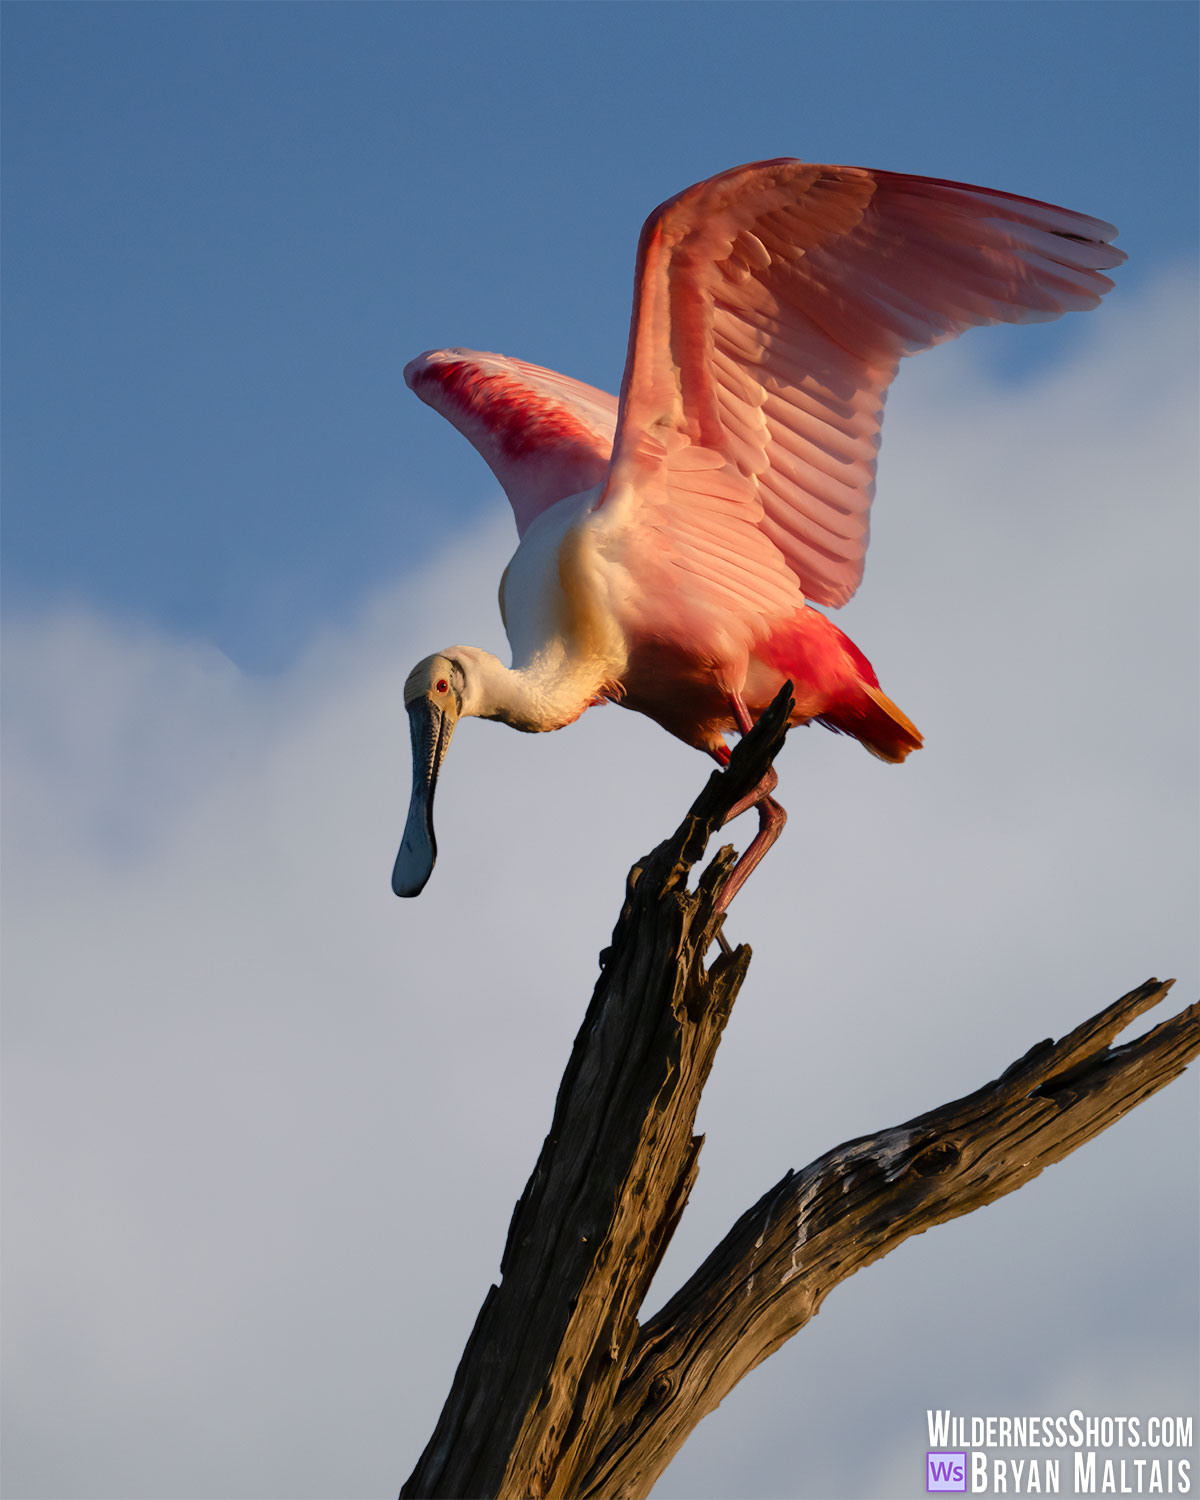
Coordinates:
[771,817]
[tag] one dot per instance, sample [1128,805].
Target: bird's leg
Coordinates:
[771,817]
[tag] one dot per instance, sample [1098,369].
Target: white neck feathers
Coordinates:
[548,692]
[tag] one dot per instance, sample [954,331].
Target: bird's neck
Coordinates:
[548,692]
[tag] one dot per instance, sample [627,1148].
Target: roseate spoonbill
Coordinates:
[672,543]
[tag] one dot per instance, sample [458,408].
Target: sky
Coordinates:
[263,1124]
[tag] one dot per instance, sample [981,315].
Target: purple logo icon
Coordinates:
[945,1472]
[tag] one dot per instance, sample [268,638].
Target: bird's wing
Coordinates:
[772,306]
[543,435]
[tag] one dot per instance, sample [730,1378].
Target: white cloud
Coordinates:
[265,1124]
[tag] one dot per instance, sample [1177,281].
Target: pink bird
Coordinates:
[673,543]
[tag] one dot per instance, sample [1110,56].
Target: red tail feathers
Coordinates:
[828,668]
[874,720]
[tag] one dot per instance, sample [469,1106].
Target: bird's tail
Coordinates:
[875,721]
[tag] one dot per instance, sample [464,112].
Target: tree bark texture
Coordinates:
[559,1392]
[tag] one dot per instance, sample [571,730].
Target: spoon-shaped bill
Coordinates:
[431,729]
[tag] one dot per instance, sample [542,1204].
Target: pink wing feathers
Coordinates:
[543,435]
[772,306]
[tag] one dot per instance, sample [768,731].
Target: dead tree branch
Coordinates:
[559,1392]
[780,1261]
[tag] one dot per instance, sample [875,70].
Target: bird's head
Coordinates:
[440,690]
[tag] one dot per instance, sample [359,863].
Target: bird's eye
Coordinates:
[442,685]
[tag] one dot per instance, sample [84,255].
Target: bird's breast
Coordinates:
[554,594]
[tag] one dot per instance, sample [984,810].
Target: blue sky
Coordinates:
[227,228]
[265,1125]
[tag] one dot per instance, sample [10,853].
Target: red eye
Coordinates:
[442,685]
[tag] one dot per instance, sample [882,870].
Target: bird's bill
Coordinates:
[431,728]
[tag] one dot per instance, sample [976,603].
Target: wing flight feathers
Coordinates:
[773,304]
[543,435]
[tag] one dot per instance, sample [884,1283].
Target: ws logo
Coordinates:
[945,1472]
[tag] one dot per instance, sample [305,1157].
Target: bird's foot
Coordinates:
[755,798]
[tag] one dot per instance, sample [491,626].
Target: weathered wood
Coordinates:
[558,1392]
[540,1370]
[816,1227]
